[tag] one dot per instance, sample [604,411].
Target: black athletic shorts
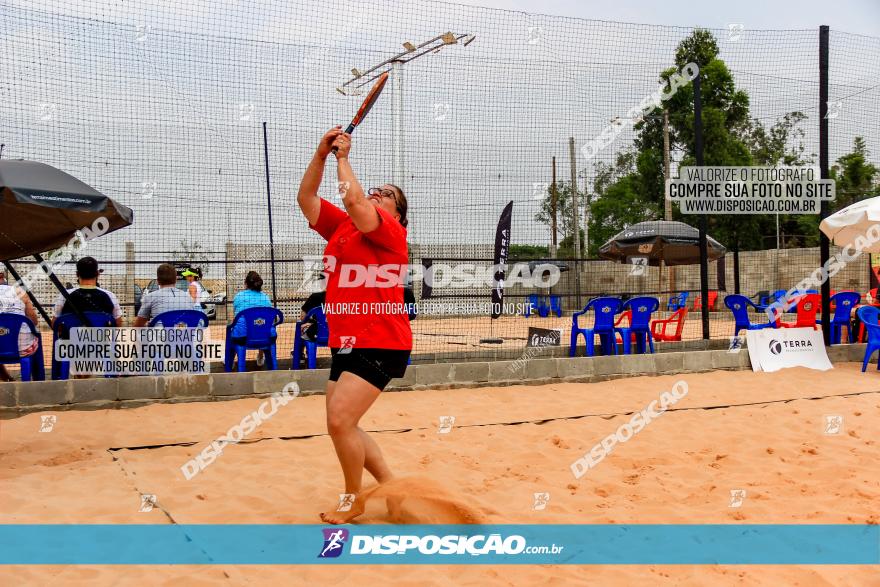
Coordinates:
[378,366]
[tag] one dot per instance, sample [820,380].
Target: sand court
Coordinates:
[758,432]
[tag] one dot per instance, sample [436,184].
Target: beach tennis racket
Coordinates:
[367,104]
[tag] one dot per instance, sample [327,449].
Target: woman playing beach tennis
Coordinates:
[370,336]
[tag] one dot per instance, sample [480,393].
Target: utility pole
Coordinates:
[668,202]
[553,202]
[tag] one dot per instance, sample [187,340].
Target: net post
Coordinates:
[553,242]
[574,219]
[704,245]
[824,243]
[269,208]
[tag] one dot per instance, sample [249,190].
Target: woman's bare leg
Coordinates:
[374,461]
[351,397]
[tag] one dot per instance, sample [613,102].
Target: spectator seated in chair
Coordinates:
[309,328]
[165,299]
[252,296]
[89,297]
[14,300]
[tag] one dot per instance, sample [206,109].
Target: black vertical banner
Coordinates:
[427,278]
[502,246]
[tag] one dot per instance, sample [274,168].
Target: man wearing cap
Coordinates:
[88,297]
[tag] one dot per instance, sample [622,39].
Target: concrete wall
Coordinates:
[18,398]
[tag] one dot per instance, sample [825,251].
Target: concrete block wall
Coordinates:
[85,394]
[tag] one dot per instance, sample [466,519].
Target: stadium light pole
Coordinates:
[394,65]
[398,170]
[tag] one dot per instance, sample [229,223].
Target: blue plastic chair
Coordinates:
[533,303]
[556,305]
[843,302]
[259,324]
[870,317]
[603,326]
[640,309]
[677,302]
[322,338]
[32,368]
[181,319]
[539,303]
[739,305]
[61,331]
[543,307]
[763,300]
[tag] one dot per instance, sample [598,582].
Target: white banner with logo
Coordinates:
[773,349]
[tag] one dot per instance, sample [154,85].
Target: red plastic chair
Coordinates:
[713,298]
[807,309]
[677,319]
[627,316]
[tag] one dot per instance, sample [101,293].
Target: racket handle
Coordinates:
[348,131]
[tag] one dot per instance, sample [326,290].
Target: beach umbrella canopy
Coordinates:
[673,243]
[43,207]
[845,225]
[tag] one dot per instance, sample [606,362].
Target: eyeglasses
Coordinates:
[383,193]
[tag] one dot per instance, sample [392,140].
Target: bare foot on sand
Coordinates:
[345,510]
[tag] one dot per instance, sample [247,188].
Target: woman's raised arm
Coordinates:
[307,198]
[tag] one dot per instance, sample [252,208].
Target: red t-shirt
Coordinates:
[365,316]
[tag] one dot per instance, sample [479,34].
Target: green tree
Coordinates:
[781,144]
[632,188]
[855,179]
[527,252]
[619,200]
[191,253]
[565,210]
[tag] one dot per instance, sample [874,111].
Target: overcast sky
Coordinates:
[854,16]
[160,103]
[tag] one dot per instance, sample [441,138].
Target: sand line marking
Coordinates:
[606,416]
[158,505]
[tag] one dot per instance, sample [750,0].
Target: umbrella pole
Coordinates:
[57,283]
[14,274]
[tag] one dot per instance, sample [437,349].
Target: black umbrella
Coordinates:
[673,243]
[660,241]
[43,208]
